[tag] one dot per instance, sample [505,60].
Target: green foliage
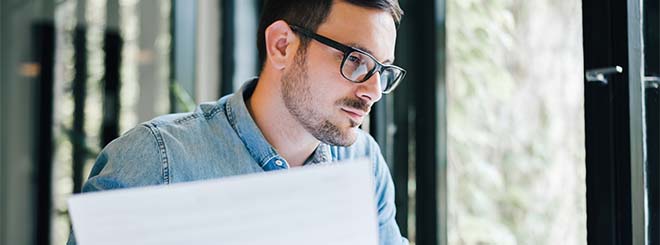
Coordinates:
[515,122]
[183,98]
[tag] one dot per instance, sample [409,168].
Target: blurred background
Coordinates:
[485,138]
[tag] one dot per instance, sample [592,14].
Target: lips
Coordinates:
[355,108]
[355,114]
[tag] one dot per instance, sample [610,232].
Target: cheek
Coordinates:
[326,89]
[328,78]
[324,65]
[326,83]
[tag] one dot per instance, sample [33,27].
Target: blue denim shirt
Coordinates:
[217,140]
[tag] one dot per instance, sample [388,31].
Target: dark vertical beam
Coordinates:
[112,47]
[383,128]
[400,153]
[652,37]
[43,46]
[652,69]
[391,123]
[653,161]
[423,52]
[607,125]
[227,61]
[380,125]
[259,4]
[173,56]
[79,88]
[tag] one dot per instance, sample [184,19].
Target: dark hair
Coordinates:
[310,14]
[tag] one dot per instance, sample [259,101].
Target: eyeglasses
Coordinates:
[358,66]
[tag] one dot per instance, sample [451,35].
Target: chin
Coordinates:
[336,134]
[351,136]
[345,138]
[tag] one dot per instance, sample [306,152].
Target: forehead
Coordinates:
[370,29]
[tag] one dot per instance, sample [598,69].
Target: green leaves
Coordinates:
[515,122]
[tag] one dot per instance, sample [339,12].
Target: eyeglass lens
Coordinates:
[357,66]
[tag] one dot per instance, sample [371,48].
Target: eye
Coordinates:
[355,59]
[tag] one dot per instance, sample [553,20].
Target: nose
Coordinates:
[370,90]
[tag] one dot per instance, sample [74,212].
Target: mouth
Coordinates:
[355,114]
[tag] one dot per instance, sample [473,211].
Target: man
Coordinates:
[325,64]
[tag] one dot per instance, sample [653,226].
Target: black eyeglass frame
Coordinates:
[347,50]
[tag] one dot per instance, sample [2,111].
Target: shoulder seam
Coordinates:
[194,115]
[162,151]
[213,112]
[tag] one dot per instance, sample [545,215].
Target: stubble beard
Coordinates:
[298,99]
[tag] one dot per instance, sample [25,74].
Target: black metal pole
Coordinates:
[383,128]
[112,47]
[652,69]
[653,162]
[172,61]
[79,88]
[607,125]
[652,37]
[43,46]
[227,62]
[400,162]
[422,53]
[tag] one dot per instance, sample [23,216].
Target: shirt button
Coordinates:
[279,163]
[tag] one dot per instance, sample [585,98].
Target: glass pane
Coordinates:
[145,35]
[515,122]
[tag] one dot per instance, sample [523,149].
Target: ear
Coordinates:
[281,44]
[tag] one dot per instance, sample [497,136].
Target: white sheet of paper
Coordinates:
[326,204]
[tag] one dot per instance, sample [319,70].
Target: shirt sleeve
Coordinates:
[389,232]
[137,158]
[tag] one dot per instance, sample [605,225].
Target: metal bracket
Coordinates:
[651,82]
[598,75]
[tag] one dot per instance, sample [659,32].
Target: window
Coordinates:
[110,74]
[516,157]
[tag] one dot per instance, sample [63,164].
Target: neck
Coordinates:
[279,127]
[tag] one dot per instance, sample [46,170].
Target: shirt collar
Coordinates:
[261,151]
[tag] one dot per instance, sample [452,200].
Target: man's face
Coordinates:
[326,104]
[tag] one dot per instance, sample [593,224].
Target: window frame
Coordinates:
[614,124]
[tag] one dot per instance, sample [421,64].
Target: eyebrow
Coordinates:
[365,49]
